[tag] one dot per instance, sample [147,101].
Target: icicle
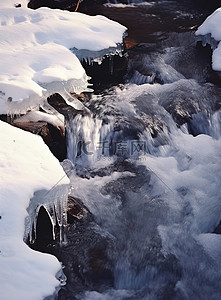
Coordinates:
[97,56]
[55,204]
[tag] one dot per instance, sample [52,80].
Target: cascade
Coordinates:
[152,206]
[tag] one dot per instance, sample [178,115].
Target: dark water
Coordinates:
[144,161]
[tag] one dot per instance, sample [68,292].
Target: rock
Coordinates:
[81,97]
[129,43]
[58,103]
[114,68]
[65,4]
[76,209]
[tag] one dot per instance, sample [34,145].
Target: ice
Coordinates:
[55,204]
[27,167]
[36,60]
[97,56]
[210,33]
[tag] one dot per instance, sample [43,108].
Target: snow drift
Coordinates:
[26,166]
[35,56]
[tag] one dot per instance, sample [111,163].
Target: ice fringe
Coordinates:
[55,204]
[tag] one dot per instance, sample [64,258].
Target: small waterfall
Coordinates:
[88,139]
[206,124]
[91,139]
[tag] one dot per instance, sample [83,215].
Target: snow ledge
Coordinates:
[210,33]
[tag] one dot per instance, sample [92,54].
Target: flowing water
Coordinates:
[144,161]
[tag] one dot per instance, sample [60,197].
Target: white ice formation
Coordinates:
[210,33]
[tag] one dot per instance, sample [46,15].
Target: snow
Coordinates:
[211,29]
[26,166]
[211,25]
[36,59]
[35,116]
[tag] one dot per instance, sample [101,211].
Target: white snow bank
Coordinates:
[35,56]
[209,31]
[26,166]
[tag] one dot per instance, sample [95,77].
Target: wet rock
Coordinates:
[129,43]
[81,97]
[58,103]
[57,145]
[76,209]
[85,259]
[62,4]
[114,68]
[182,109]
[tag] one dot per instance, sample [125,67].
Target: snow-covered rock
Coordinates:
[26,166]
[210,33]
[36,60]
[57,120]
